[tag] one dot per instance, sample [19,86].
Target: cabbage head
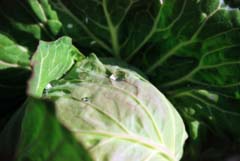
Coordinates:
[113,112]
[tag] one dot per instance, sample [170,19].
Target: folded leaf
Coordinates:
[50,62]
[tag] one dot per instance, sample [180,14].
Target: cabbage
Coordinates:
[90,111]
[117,114]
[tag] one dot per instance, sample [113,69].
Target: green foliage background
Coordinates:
[189,49]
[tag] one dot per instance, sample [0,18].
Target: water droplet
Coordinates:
[93,42]
[22,48]
[69,25]
[41,24]
[112,77]
[86,19]
[85,99]
[203,15]
[48,86]
[118,76]
[210,118]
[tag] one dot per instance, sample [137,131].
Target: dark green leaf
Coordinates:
[46,15]
[14,71]
[183,46]
[34,133]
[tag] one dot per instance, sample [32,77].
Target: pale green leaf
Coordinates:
[12,55]
[50,62]
[117,114]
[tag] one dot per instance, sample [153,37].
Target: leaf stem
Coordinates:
[113,31]
[167,55]
[150,34]
[173,50]
[100,42]
[182,79]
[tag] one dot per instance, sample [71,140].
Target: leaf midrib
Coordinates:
[143,107]
[130,138]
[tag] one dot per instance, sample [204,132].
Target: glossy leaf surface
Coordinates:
[117,114]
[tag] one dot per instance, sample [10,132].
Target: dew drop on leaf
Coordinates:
[86,20]
[48,86]
[92,42]
[203,15]
[118,76]
[69,25]
[210,118]
[85,99]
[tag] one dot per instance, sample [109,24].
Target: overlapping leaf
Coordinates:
[50,62]
[14,71]
[160,38]
[34,133]
[181,45]
[117,114]
[184,46]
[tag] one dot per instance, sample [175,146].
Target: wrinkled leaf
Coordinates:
[117,114]
[50,62]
